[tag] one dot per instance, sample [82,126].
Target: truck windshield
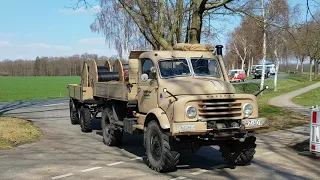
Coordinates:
[205,67]
[174,67]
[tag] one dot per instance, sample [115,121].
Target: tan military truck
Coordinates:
[178,99]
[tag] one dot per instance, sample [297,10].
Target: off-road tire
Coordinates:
[238,153]
[167,159]
[111,135]
[74,116]
[85,119]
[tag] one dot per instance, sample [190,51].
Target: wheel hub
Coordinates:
[156,148]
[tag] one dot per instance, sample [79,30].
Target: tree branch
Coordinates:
[140,26]
[212,5]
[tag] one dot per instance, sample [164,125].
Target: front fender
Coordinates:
[161,117]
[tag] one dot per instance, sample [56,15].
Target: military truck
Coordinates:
[179,99]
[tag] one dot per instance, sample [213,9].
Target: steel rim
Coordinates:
[155,146]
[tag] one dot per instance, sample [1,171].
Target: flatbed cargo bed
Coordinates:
[79,92]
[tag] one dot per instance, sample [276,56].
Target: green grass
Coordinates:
[278,118]
[15,131]
[310,98]
[23,88]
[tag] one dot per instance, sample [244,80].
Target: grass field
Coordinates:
[311,98]
[15,131]
[22,88]
[278,118]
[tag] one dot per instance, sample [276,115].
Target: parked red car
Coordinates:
[237,75]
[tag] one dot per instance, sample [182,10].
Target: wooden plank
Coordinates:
[87,93]
[77,92]
[111,90]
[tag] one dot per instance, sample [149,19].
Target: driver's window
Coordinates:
[146,66]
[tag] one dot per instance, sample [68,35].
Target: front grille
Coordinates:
[216,109]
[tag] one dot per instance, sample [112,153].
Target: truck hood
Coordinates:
[197,86]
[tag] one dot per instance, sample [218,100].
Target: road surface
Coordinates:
[64,152]
[285,101]
[280,76]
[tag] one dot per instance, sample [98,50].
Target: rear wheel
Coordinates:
[111,135]
[160,155]
[237,153]
[74,116]
[85,119]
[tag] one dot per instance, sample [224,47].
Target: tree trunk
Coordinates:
[276,74]
[310,70]
[301,66]
[188,27]
[315,68]
[196,24]
[249,65]
[242,64]
[181,20]
[264,47]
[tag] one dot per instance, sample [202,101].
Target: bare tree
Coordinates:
[245,47]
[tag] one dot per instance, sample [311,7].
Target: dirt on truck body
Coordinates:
[179,99]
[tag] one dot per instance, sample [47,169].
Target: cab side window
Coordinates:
[146,65]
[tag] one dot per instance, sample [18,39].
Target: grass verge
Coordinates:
[15,131]
[277,118]
[41,87]
[310,98]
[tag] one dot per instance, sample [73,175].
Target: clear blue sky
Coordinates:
[31,28]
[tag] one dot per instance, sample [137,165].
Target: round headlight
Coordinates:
[247,110]
[191,112]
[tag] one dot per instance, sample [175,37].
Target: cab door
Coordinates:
[148,87]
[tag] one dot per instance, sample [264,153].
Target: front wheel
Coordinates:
[160,155]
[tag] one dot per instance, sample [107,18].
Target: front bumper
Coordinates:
[201,128]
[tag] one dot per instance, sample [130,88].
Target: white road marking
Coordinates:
[62,176]
[137,158]
[267,153]
[53,104]
[91,169]
[182,165]
[116,163]
[177,178]
[199,172]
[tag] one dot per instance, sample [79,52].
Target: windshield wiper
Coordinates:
[199,58]
[179,60]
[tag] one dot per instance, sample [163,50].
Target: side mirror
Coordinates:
[153,70]
[144,77]
[165,90]
[266,87]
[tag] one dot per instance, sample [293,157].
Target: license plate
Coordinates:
[253,122]
[186,127]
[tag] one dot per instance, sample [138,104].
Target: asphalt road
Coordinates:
[64,152]
[271,78]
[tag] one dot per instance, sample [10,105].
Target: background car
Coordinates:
[237,75]
[258,73]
